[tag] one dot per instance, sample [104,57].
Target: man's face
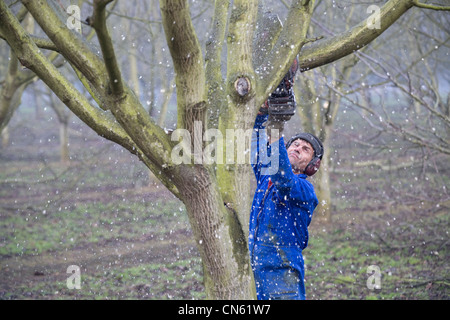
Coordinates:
[300,153]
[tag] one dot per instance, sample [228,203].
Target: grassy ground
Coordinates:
[410,253]
[131,239]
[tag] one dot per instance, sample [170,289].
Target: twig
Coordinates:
[309,40]
[430,6]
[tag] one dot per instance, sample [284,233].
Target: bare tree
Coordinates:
[216,196]
[318,106]
[63,116]
[14,82]
[360,81]
[419,113]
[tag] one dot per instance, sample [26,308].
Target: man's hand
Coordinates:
[264,109]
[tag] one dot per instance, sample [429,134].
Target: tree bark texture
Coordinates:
[219,236]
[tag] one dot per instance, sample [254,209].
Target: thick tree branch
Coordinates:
[8,89]
[148,138]
[40,43]
[100,121]
[214,81]
[288,45]
[240,71]
[31,57]
[188,61]
[268,28]
[98,22]
[68,42]
[214,44]
[335,48]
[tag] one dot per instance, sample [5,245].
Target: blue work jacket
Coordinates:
[279,219]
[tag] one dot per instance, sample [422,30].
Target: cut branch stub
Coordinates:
[242,86]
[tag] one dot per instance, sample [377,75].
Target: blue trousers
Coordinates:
[278,272]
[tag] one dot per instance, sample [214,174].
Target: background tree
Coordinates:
[14,82]
[223,93]
[355,80]
[63,116]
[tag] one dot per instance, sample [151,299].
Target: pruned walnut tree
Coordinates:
[217,196]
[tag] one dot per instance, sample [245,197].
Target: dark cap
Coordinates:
[312,139]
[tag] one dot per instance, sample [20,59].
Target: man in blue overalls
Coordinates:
[282,208]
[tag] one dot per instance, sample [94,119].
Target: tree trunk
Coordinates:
[10,95]
[5,136]
[323,210]
[64,142]
[309,110]
[165,106]
[219,236]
